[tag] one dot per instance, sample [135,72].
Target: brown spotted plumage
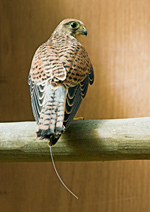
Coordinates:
[59,76]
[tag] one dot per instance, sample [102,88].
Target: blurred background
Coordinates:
[118,44]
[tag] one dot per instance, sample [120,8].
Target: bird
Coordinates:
[59,77]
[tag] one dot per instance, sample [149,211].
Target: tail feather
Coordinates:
[52,114]
[53,139]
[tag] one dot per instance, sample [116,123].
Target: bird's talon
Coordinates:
[78,118]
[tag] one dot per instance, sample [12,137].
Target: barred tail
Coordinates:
[52,114]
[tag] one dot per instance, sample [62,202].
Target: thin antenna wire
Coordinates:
[58,174]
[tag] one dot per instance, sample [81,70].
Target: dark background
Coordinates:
[118,44]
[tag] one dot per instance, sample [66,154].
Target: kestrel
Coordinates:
[59,77]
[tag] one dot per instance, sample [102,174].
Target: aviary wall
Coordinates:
[118,44]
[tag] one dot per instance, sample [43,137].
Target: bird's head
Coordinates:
[72,27]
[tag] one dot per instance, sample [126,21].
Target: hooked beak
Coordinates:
[83,31]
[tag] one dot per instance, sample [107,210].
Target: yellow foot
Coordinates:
[79,118]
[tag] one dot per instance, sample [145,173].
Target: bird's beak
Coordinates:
[83,31]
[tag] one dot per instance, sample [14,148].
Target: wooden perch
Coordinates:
[93,140]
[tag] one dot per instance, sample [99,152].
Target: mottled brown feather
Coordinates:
[61,55]
[61,60]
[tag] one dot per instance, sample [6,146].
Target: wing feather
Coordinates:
[45,66]
[72,68]
[37,97]
[75,96]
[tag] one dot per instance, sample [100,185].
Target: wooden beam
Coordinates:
[92,140]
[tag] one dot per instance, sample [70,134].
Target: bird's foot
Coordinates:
[78,118]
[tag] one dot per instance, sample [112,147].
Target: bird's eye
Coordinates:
[74,25]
